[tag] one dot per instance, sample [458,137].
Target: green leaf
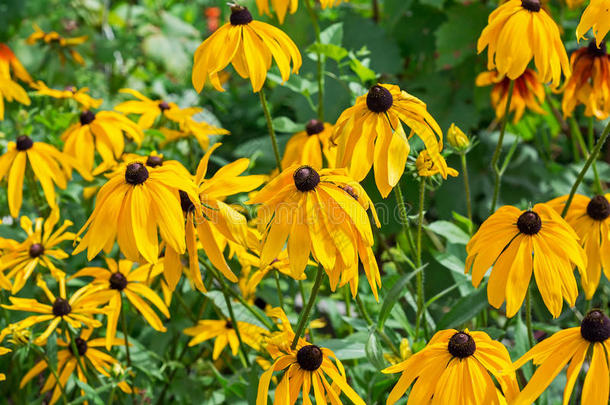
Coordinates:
[521,344]
[333,34]
[465,309]
[449,231]
[364,73]
[456,266]
[285,124]
[373,350]
[90,393]
[350,348]
[242,314]
[52,349]
[397,291]
[335,52]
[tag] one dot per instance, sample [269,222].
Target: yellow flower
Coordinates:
[201,130]
[3,351]
[101,131]
[528,92]
[457,138]
[572,346]
[331,3]
[518,31]
[590,219]
[323,213]
[405,353]
[67,364]
[456,367]
[309,146]
[426,167]
[9,89]
[280,7]
[572,4]
[224,333]
[596,17]
[109,285]
[39,248]
[131,206]
[590,83]
[149,110]
[76,310]
[518,242]
[249,46]
[70,92]
[53,38]
[371,131]
[50,166]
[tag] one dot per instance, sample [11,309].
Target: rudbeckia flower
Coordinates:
[3,351]
[528,92]
[590,219]
[457,138]
[518,242]
[10,89]
[118,280]
[131,206]
[572,4]
[60,43]
[69,92]
[371,131]
[149,110]
[590,82]
[426,167]
[596,17]
[456,368]
[572,346]
[101,131]
[67,363]
[310,146]
[519,31]
[249,46]
[331,3]
[50,166]
[41,245]
[280,7]
[78,310]
[224,333]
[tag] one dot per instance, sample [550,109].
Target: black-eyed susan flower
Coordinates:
[457,138]
[59,43]
[39,248]
[371,132]
[102,131]
[519,31]
[77,310]
[200,130]
[331,3]
[456,367]
[311,146]
[426,167]
[148,110]
[280,8]
[50,166]
[590,219]
[247,44]
[121,279]
[223,331]
[132,206]
[590,341]
[85,101]
[596,17]
[9,88]
[590,82]
[528,93]
[517,242]
[572,4]
[3,351]
[93,360]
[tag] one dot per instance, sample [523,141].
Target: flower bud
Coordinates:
[457,138]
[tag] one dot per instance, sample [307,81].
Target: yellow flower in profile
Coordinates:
[590,219]
[9,88]
[426,167]
[528,92]
[457,138]
[590,82]
[518,242]
[224,333]
[519,31]
[247,44]
[109,285]
[311,146]
[596,17]
[371,132]
[148,110]
[63,44]
[39,248]
[589,341]
[101,131]
[50,166]
[85,101]
[456,367]
[67,364]
[280,7]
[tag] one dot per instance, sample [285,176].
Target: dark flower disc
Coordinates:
[529,223]
[310,357]
[306,178]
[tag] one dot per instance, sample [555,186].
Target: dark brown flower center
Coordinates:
[229,325]
[136,173]
[595,326]
[260,303]
[86,117]
[310,357]
[531,5]
[118,281]
[529,223]
[595,51]
[314,127]
[154,161]
[185,202]
[61,307]
[306,178]
[163,106]
[240,15]
[379,99]
[36,250]
[24,142]
[462,345]
[81,346]
[598,208]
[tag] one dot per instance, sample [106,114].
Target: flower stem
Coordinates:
[303,319]
[280,296]
[62,389]
[420,275]
[496,155]
[320,60]
[127,355]
[74,349]
[400,201]
[276,149]
[369,321]
[528,317]
[466,186]
[244,357]
[599,187]
[592,157]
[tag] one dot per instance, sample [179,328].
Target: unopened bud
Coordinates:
[457,138]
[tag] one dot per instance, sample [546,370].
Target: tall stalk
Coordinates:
[420,275]
[276,149]
[304,317]
[496,156]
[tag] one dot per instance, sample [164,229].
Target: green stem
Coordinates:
[127,355]
[466,186]
[304,317]
[242,347]
[74,349]
[369,321]
[280,296]
[420,275]
[496,155]
[400,201]
[34,192]
[599,187]
[592,156]
[320,60]
[528,317]
[577,134]
[51,367]
[276,149]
